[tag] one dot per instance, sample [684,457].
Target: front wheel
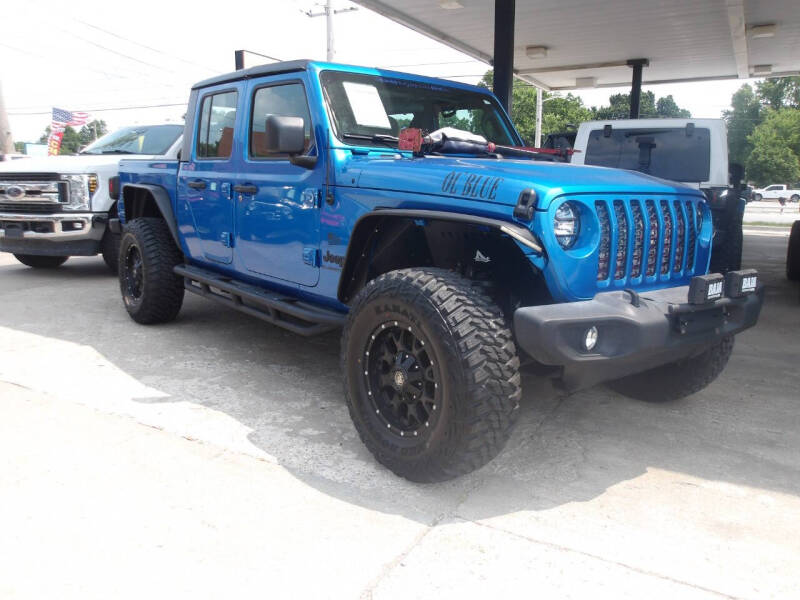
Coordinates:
[151,291]
[41,262]
[678,379]
[431,374]
[795,198]
[757,197]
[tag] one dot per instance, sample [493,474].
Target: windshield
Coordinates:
[371,105]
[154,139]
[676,154]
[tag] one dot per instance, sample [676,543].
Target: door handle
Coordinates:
[245,189]
[197,184]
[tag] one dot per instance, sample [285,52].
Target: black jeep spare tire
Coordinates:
[678,379]
[41,262]
[431,373]
[151,291]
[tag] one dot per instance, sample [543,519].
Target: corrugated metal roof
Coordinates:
[684,40]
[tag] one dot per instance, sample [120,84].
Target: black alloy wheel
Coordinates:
[401,378]
[133,274]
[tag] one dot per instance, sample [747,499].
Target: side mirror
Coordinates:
[284,135]
[287,135]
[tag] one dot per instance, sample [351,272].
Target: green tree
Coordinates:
[70,142]
[779,92]
[619,107]
[776,148]
[92,131]
[667,107]
[557,110]
[743,117]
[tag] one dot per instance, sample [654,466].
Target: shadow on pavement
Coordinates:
[287,390]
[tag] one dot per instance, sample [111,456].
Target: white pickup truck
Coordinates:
[777,191]
[60,206]
[691,151]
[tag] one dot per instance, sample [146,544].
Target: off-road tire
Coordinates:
[155,295]
[678,379]
[41,262]
[473,360]
[728,256]
[793,254]
[109,248]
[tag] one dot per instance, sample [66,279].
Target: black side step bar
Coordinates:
[283,311]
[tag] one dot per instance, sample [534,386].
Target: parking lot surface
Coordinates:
[214,457]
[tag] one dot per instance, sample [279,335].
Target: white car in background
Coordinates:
[777,191]
[60,206]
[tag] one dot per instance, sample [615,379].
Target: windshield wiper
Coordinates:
[381,138]
[117,151]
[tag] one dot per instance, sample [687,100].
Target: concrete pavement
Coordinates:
[214,456]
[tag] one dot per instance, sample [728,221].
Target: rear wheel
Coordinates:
[678,379]
[793,254]
[757,197]
[41,262]
[151,291]
[431,374]
[795,198]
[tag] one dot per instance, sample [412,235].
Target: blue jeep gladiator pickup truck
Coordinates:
[449,265]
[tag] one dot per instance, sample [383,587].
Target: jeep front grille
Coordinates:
[603,254]
[646,238]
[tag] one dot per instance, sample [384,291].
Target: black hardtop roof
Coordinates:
[270,69]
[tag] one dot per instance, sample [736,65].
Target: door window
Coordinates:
[217,118]
[286,100]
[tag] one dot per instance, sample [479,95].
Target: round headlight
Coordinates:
[567,224]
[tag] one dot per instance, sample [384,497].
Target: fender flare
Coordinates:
[516,232]
[161,197]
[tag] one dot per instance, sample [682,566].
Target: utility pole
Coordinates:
[6,141]
[328,11]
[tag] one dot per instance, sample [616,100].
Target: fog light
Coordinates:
[590,338]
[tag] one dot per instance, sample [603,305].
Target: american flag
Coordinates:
[64,118]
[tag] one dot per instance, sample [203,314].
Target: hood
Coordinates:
[496,181]
[86,163]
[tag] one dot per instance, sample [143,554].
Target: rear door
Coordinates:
[205,181]
[277,202]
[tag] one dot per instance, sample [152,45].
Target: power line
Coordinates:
[156,50]
[123,55]
[94,110]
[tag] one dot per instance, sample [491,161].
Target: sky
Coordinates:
[95,56]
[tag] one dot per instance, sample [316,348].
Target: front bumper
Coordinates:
[63,234]
[663,328]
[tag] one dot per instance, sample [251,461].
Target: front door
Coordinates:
[277,202]
[206,180]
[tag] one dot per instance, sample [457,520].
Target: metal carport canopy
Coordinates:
[683,40]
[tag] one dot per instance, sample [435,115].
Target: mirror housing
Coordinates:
[284,135]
